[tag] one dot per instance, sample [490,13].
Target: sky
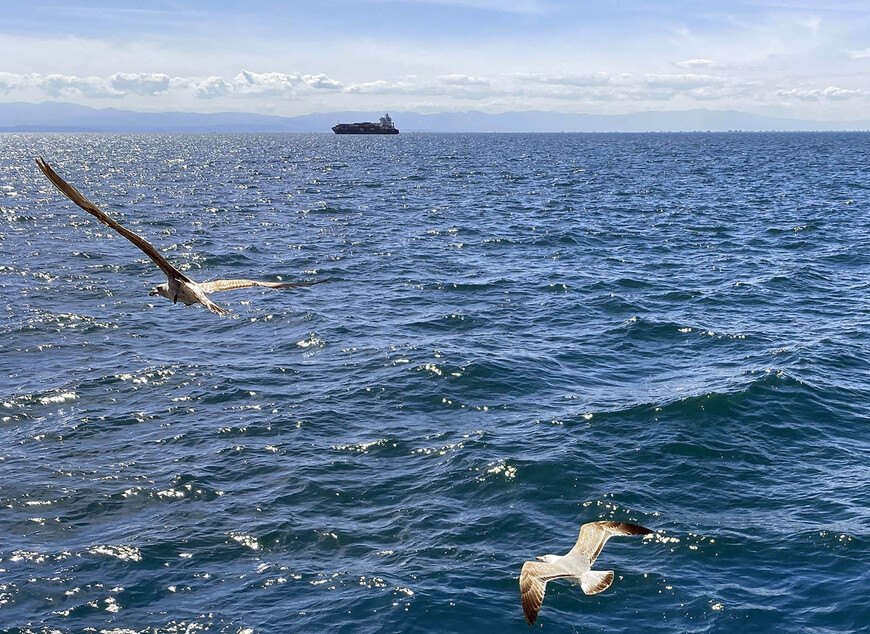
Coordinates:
[805,59]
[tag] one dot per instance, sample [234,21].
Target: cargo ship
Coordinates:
[367,127]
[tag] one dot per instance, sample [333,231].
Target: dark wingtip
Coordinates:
[46,169]
[530,614]
[626,528]
[637,529]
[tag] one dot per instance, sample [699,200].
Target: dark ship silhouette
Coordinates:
[367,127]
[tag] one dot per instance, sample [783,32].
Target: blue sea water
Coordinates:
[520,334]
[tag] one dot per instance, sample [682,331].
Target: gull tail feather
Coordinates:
[215,308]
[203,298]
[595,581]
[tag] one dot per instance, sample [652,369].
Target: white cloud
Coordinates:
[444,87]
[831,92]
[211,88]
[249,83]
[565,79]
[277,84]
[698,63]
[859,54]
[682,82]
[625,87]
[321,82]
[156,85]
[381,87]
[10,81]
[56,85]
[536,89]
[463,80]
[140,83]
[271,84]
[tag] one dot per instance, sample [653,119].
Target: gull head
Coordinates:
[160,289]
[548,558]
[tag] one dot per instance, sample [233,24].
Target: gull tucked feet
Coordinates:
[575,566]
[178,287]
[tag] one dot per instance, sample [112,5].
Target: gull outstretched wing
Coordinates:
[228,285]
[533,583]
[594,535]
[76,196]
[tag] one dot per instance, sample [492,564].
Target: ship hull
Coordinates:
[364,131]
[363,128]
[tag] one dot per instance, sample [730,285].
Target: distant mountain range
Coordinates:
[52,116]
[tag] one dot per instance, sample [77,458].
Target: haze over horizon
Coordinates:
[797,59]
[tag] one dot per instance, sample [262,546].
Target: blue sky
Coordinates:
[801,58]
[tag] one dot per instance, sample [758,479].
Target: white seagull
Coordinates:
[179,287]
[575,566]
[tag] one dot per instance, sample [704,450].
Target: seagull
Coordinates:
[179,287]
[575,566]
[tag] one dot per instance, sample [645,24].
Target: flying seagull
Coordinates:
[575,566]
[179,287]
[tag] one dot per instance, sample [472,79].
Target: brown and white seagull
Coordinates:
[179,287]
[575,566]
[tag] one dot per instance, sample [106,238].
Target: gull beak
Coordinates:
[539,558]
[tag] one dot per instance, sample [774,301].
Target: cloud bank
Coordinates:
[700,82]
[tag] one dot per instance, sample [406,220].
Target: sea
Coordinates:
[514,335]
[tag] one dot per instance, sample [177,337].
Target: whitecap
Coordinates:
[124,553]
[58,398]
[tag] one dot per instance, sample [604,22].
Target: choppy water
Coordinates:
[520,334]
